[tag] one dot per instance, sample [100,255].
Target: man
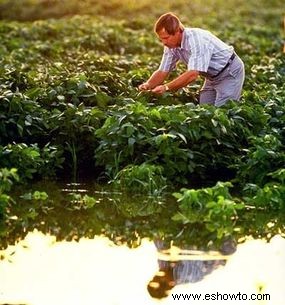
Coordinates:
[204,54]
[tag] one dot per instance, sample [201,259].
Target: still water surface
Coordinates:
[60,252]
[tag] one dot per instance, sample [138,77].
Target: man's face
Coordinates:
[170,41]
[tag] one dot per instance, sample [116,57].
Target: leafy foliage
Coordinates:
[7,178]
[143,178]
[70,108]
[212,206]
[31,160]
[264,156]
[271,195]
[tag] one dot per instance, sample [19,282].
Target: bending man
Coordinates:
[204,54]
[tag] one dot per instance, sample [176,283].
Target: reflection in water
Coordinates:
[40,271]
[181,266]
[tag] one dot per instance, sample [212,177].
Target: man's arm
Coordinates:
[156,79]
[179,82]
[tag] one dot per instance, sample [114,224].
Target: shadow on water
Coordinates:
[89,244]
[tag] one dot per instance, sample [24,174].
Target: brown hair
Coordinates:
[162,283]
[169,22]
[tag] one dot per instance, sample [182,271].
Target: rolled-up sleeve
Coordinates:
[168,61]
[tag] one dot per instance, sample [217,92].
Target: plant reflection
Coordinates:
[71,212]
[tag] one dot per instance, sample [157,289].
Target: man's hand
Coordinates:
[144,87]
[159,89]
[155,80]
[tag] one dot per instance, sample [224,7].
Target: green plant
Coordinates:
[265,155]
[143,178]
[213,206]
[30,160]
[79,201]
[7,177]
[36,195]
[269,196]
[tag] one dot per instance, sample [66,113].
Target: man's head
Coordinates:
[169,30]
[162,283]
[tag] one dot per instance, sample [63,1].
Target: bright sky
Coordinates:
[41,271]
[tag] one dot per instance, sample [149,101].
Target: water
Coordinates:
[120,249]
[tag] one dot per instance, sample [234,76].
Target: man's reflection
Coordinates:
[177,272]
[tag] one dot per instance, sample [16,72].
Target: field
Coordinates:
[70,110]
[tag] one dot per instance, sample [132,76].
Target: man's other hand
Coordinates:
[144,87]
[159,89]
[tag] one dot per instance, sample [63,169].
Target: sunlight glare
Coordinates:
[41,271]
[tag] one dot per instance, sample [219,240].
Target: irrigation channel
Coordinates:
[87,244]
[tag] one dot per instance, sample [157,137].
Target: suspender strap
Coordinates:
[227,64]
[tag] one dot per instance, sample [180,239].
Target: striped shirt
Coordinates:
[190,271]
[200,50]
